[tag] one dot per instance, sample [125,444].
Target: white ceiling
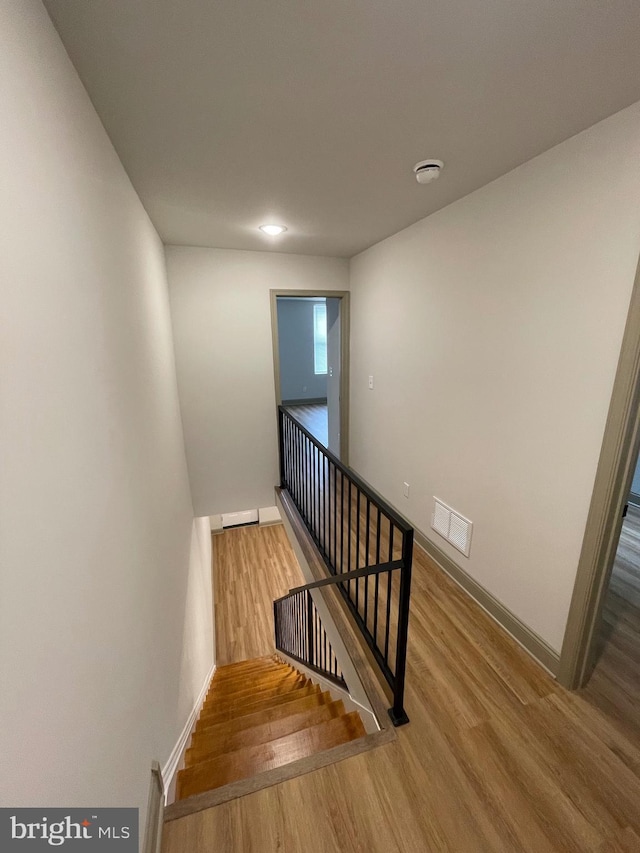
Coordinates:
[231,113]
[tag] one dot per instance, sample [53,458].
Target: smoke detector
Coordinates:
[427,170]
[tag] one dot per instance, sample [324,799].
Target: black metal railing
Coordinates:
[301,634]
[354,529]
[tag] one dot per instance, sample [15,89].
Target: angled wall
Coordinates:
[492,329]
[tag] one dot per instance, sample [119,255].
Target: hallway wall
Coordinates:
[493,329]
[104,613]
[221,317]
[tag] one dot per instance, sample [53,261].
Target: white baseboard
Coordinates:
[176,759]
[155,812]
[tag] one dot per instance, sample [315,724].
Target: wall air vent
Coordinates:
[441,519]
[235,519]
[455,528]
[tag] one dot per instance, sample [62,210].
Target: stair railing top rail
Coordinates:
[360,537]
[397,518]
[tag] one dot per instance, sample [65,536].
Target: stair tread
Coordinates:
[264,715]
[244,708]
[258,693]
[280,683]
[209,745]
[256,759]
[228,669]
[262,673]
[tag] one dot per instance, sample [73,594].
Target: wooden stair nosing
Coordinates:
[263,715]
[212,745]
[257,759]
[249,708]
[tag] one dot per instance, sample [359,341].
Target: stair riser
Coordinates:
[260,715]
[264,675]
[254,760]
[246,708]
[266,715]
[280,683]
[206,746]
[236,669]
[256,695]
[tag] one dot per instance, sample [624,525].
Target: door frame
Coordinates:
[344,297]
[614,475]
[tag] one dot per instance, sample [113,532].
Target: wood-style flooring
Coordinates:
[497,757]
[314,418]
[253,566]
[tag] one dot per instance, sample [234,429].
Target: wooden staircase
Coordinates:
[260,714]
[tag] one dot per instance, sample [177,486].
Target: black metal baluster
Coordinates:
[295,462]
[312,486]
[386,641]
[318,510]
[315,492]
[377,583]
[335,518]
[366,580]
[349,531]
[358,549]
[329,512]
[326,506]
[306,478]
[341,521]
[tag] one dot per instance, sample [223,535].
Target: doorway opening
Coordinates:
[614,673]
[310,355]
[599,610]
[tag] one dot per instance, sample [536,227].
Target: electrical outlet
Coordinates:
[405,489]
[371,383]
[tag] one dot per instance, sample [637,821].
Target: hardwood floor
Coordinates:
[314,418]
[253,566]
[614,687]
[497,756]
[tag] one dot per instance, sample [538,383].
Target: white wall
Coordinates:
[493,330]
[103,609]
[222,329]
[298,379]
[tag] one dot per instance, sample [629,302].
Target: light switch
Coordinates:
[371,383]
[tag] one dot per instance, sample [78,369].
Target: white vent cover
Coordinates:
[234,519]
[454,527]
[441,519]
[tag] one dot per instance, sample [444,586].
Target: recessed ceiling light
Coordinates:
[273,230]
